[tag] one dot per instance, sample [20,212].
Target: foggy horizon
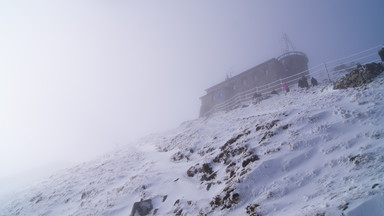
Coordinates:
[80,79]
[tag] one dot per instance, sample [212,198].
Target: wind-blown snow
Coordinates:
[320,151]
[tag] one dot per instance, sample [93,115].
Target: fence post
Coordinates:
[325,65]
[281,85]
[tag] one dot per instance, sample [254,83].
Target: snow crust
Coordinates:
[323,154]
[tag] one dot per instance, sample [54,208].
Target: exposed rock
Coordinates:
[251,210]
[360,76]
[381,54]
[233,140]
[177,156]
[227,201]
[228,151]
[209,185]
[206,168]
[343,207]
[176,202]
[267,135]
[142,208]
[269,151]
[285,127]
[355,159]
[208,177]
[178,212]
[87,194]
[191,171]
[267,126]
[249,160]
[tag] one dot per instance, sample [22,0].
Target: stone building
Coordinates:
[263,78]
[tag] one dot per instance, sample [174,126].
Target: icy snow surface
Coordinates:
[318,151]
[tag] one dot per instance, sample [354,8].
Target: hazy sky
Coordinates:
[78,78]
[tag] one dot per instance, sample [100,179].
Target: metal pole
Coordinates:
[282,86]
[325,65]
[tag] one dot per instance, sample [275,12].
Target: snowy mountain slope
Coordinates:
[309,152]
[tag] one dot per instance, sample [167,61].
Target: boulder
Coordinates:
[142,208]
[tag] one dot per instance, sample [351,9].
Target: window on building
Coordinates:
[254,77]
[244,82]
[234,87]
[219,94]
[266,72]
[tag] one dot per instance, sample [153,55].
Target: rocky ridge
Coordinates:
[362,75]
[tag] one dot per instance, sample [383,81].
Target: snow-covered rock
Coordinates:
[363,74]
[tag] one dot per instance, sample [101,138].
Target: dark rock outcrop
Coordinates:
[251,210]
[363,74]
[226,199]
[142,208]
[381,54]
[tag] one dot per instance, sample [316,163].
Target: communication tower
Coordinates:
[286,44]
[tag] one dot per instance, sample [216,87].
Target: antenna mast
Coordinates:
[286,45]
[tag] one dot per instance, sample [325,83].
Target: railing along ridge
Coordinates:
[277,85]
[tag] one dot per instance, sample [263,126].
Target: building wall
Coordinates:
[253,78]
[294,63]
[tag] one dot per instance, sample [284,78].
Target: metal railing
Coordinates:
[321,71]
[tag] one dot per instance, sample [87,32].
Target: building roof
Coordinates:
[225,82]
